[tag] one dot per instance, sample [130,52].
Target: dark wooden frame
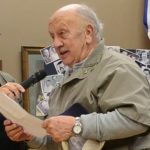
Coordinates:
[0,64]
[25,52]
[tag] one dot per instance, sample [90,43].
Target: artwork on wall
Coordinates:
[32,62]
[140,56]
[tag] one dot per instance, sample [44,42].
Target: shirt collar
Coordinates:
[90,60]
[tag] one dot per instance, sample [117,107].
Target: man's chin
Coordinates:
[67,63]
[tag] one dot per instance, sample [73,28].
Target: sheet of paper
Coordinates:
[14,112]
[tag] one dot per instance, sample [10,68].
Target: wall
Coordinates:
[24,23]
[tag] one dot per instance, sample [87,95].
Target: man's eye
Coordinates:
[63,33]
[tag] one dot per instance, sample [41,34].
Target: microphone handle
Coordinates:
[29,82]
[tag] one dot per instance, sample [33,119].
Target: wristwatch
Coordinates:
[77,128]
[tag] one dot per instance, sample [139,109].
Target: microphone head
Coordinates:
[36,77]
[40,75]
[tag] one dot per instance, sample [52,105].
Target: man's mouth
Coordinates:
[63,53]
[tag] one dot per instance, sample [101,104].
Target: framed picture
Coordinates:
[31,62]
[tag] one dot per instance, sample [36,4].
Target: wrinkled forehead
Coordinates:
[68,17]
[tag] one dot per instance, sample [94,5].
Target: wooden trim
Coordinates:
[0,64]
[25,52]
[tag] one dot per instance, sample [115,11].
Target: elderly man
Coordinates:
[109,86]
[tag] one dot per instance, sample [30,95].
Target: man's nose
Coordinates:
[57,43]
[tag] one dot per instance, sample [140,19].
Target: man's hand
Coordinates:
[16,132]
[59,127]
[12,90]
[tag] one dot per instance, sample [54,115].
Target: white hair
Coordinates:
[91,16]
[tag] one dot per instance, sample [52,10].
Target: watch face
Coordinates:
[77,129]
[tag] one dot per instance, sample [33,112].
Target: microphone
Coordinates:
[36,77]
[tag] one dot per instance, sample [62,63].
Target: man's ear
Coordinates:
[89,33]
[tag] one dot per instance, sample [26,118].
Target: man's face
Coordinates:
[69,37]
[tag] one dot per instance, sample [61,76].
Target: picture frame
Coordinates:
[31,62]
[0,64]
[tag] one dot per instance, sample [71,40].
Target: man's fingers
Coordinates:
[45,123]
[12,90]
[10,127]
[14,87]
[17,133]
[13,130]
[7,122]
[20,87]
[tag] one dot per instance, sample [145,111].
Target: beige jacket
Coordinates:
[106,81]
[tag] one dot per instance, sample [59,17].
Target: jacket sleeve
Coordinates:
[124,100]
[128,91]
[110,126]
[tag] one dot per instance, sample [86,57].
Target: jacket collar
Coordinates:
[96,55]
[88,65]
